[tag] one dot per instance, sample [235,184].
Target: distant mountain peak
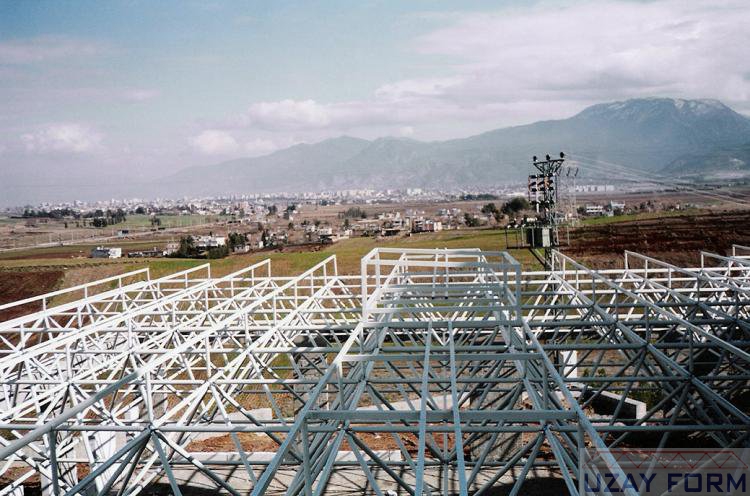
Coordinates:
[650,106]
[344,138]
[701,105]
[642,133]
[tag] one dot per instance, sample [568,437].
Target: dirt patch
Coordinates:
[40,254]
[301,248]
[76,277]
[677,239]
[18,285]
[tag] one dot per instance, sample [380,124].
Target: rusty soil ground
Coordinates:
[678,240]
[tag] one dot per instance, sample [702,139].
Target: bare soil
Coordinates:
[678,239]
[25,284]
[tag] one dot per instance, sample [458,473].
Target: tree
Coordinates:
[119,216]
[515,205]
[491,209]
[470,220]
[186,248]
[218,252]
[236,239]
[354,213]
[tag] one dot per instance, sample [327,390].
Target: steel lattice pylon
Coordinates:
[433,371]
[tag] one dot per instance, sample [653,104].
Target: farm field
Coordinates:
[58,270]
[22,235]
[348,251]
[676,237]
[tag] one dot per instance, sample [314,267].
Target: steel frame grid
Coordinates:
[433,371]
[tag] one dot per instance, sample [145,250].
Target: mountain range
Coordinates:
[662,135]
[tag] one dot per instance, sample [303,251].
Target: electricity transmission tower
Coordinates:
[543,195]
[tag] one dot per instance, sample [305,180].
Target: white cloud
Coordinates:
[416,88]
[62,137]
[289,114]
[593,51]
[406,131]
[44,48]
[214,142]
[528,63]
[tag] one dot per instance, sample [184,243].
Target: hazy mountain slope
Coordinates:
[306,166]
[643,133]
[717,162]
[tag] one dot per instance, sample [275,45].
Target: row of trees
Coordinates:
[57,213]
[481,196]
[511,207]
[353,213]
[110,216]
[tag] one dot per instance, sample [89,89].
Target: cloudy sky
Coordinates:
[131,89]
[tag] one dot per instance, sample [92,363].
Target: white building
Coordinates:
[104,252]
[426,225]
[206,242]
[594,210]
[171,248]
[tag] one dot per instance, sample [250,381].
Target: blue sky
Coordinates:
[127,88]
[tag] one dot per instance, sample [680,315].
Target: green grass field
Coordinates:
[285,262]
[68,252]
[348,253]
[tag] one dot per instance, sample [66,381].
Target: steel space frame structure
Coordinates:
[432,371]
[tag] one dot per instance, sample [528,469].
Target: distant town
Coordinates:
[214,227]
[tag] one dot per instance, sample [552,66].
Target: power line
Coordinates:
[638,176]
[638,179]
[652,176]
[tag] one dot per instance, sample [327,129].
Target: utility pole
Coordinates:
[543,195]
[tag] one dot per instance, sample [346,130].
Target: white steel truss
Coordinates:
[433,371]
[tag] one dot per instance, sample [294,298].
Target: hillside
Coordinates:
[647,134]
[720,161]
